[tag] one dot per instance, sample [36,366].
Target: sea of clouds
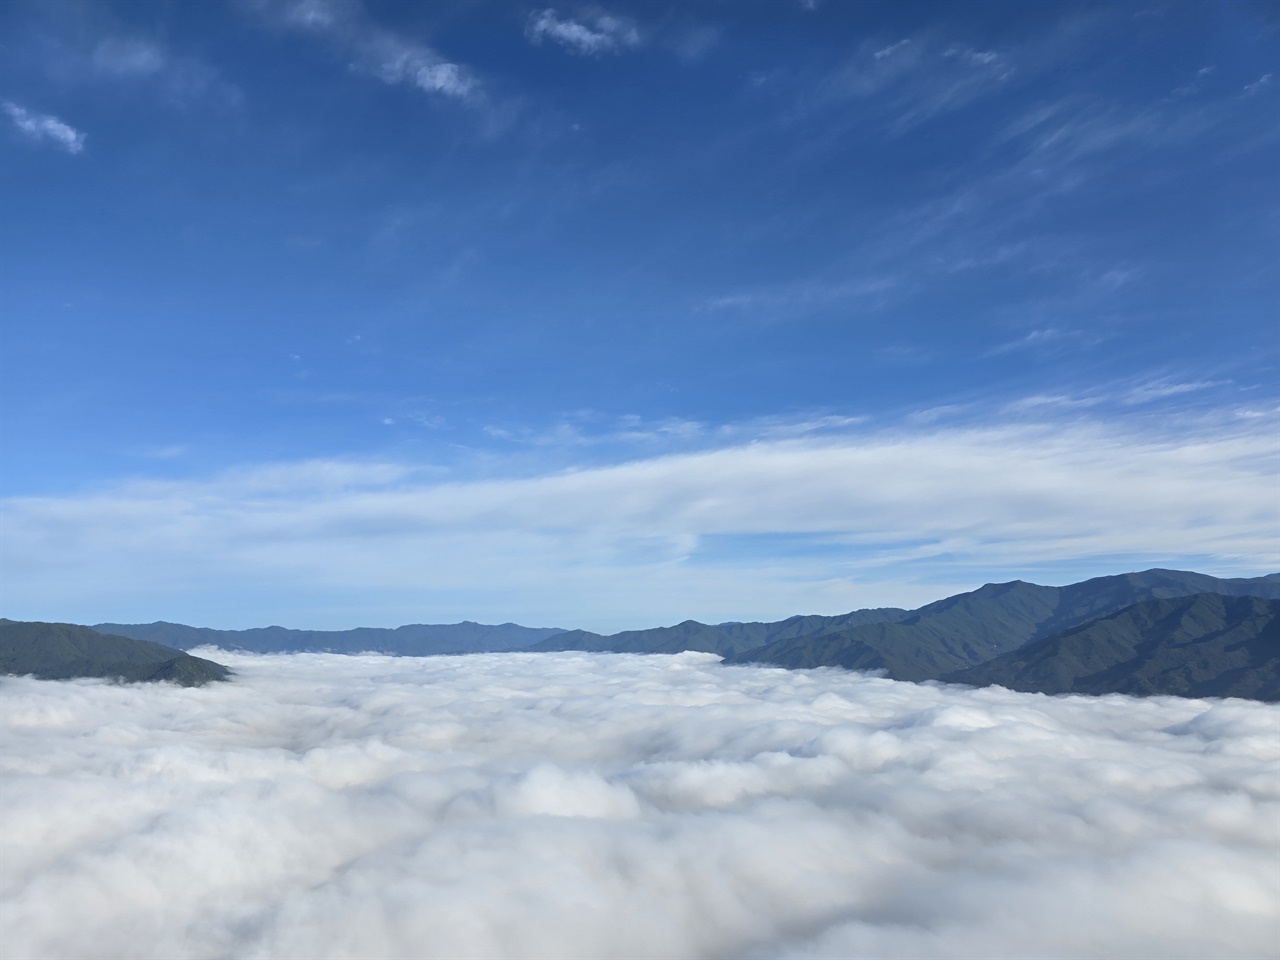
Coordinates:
[598,806]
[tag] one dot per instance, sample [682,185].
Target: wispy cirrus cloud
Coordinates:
[589,428]
[1150,390]
[592,33]
[125,58]
[44,128]
[1193,87]
[1050,338]
[1256,87]
[914,79]
[890,50]
[129,57]
[1164,388]
[783,299]
[370,48]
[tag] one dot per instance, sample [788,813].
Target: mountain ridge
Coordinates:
[726,639]
[947,639]
[1203,645]
[413,639]
[63,651]
[966,629]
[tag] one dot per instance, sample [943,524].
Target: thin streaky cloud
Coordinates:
[891,49]
[181,79]
[44,128]
[1257,85]
[128,56]
[372,49]
[1161,389]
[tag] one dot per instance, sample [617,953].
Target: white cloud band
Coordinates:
[831,523]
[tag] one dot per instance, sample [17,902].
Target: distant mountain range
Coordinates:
[726,639]
[61,651]
[413,640]
[1154,632]
[1021,635]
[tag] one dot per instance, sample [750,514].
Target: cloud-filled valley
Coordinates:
[812,420]
[576,805]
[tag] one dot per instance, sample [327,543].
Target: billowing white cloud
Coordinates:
[578,806]
[593,33]
[819,523]
[42,127]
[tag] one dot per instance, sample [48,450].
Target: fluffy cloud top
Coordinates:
[43,127]
[617,806]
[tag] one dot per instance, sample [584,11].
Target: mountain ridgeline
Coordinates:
[62,651]
[726,639]
[971,628]
[413,640]
[1236,648]
[1154,632]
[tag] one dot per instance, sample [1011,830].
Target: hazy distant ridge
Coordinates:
[726,639]
[412,640]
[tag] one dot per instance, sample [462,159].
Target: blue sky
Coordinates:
[330,313]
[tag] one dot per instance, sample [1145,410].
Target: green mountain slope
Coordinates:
[61,651]
[971,628]
[1206,645]
[725,639]
[416,639]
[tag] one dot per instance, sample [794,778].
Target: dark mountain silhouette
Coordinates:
[62,651]
[1205,645]
[971,628]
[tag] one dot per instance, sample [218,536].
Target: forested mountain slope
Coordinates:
[1206,645]
[971,628]
[61,651]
